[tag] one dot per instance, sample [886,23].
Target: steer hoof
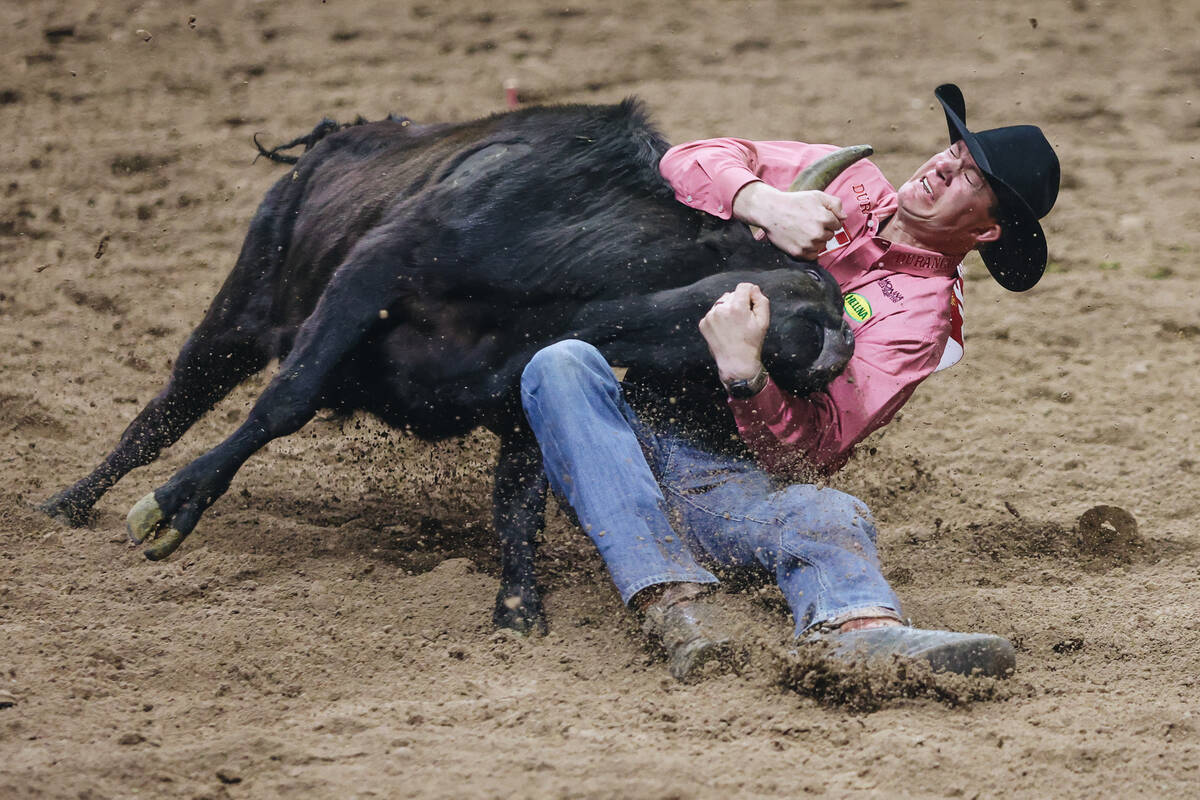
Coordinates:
[164,545]
[146,522]
[520,611]
[144,519]
[62,508]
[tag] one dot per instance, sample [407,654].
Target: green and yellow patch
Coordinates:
[858,308]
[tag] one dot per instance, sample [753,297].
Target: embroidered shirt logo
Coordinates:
[922,262]
[861,197]
[857,307]
[889,291]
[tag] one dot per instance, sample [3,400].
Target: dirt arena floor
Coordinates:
[326,632]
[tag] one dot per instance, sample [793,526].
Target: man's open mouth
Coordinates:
[925,183]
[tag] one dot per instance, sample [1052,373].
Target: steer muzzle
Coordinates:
[836,349]
[837,345]
[808,342]
[804,352]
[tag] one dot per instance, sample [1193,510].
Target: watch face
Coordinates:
[741,389]
[747,387]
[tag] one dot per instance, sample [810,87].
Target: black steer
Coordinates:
[412,271]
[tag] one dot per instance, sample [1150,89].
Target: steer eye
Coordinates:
[814,274]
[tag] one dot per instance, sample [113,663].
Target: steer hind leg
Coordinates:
[230,344]
[518,507]
[218,356]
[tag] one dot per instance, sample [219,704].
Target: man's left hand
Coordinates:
[735,328]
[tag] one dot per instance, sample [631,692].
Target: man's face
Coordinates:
[946,204]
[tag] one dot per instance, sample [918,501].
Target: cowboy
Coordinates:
[897,255]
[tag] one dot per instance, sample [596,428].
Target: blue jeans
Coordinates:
[627,484]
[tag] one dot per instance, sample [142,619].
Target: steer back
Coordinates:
[538,203]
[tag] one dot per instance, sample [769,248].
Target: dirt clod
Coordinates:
[1109,532]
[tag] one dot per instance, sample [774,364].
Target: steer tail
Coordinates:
[325,127]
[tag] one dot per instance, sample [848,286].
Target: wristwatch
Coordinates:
[743,388]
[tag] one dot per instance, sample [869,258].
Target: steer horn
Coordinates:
[819,174]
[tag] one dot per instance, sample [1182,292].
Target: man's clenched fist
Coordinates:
[735,328]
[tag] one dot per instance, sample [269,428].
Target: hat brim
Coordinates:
[1017,260]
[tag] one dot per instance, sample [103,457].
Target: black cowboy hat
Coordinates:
[1022,169]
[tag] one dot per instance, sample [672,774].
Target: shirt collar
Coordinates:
[869,251]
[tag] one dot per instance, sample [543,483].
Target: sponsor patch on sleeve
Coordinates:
[857,307]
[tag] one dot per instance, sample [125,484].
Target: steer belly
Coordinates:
[442,367]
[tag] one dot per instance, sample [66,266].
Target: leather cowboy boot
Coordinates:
[690,628]
[944,651]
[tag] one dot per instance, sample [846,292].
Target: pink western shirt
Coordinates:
[904,304]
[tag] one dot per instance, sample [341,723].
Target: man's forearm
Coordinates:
[747,203]
[798,223]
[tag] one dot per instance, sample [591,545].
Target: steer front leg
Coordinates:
[519,509]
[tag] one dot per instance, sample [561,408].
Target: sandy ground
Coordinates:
[326,631]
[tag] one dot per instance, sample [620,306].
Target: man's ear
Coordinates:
[987,233]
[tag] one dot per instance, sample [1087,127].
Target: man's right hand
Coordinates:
[798,223]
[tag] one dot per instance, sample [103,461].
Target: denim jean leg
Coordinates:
[819,543]
[595,454]
[829,565]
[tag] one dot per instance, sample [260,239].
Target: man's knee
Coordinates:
[569,360]
[829,510]
[851,508]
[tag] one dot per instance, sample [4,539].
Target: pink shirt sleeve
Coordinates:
[707,174]
[789,435]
